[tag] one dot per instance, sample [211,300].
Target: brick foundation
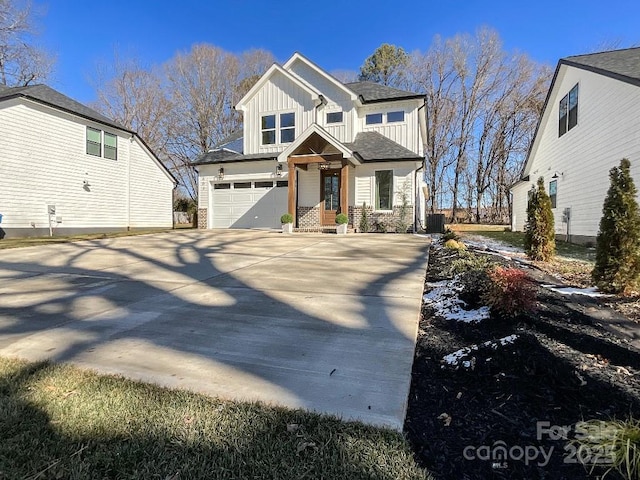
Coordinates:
[308,217]
[202,218]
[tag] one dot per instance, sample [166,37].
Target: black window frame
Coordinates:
[222,186]
[289,128]
[264,184]
[241,185]
[378,198]
[568,111]
[282,183]
[331,115]
[268,130]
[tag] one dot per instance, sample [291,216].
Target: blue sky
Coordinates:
[334,34]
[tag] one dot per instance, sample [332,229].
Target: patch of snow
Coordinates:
[444,299]
[461,357]
[589,292]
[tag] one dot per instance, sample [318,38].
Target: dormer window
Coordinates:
[334,117]
[285,123]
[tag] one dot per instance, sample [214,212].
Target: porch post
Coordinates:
[344,189]
[291,205]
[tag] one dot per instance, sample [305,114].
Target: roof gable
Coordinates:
[298,57]
[273,70]
[314,129]
[623,65]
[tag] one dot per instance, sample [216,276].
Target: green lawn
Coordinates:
[564,249]
[57,421]
[32,241]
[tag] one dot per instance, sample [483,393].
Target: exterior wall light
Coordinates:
[220,173]
[279,170]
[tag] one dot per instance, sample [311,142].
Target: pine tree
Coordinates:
[617,267]
[540,237]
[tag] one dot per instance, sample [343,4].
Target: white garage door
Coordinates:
[248,204]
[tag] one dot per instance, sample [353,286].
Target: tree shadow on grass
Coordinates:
[59,422]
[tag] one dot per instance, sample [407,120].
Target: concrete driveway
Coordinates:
[322,322]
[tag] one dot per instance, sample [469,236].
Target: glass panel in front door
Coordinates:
[331,192]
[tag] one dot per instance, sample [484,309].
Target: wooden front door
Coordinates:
[329,196]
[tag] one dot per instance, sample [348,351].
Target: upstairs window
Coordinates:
[94,142]
[110,146]
[384,190]
[395,117]
[373,118]
[268,129]
[287,127]
[553,192]
[334,117]
[568,114]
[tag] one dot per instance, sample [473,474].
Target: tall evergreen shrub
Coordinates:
[617,267]
[539,234]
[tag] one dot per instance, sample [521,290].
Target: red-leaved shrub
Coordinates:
[510,292]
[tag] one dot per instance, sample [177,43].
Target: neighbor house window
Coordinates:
[568,114]
[287,127]
[334,117]
[553,192]
[373,118]
[268,129]
[384,189]
[395,117]
[94,141]
[110,146]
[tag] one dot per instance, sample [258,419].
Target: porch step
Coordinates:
[323,229]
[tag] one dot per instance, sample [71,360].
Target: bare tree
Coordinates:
[21,61]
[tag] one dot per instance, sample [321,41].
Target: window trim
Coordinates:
[404,116]
[375,190]
[278,128]
[564,125]
[87,141]
[367,115]
[104,148]
[326,118]
[264,130]
[554,197]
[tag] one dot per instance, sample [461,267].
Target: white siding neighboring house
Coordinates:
[65,166]
[315,147]
[591,121]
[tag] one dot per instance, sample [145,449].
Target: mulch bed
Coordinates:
[563,368]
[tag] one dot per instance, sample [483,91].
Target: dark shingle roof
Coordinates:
[621,64]
[372,146]
[372,92]
[232,142]
[225,156]
[51,97]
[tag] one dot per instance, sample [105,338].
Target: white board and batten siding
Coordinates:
[608,130]
[403,173]
[43,161]
[399,132]
[279,95]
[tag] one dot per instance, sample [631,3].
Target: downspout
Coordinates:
[424,133]
[416,219]
[131,140]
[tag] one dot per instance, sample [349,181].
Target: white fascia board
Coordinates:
[275,68]
[315,128]
[297,56]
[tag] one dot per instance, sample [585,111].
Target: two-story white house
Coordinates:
[590,121]
[315,147]
[66,169]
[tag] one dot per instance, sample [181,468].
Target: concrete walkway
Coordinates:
[322,322]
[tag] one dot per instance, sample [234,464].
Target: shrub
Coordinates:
[342,219]
[617,442]
[618,242]
[510,292]
[468,262]
[286,218]
[381,226]
[402,221]
[365,226]
[452,244]
[449,235]
[471,271]
[539,234]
